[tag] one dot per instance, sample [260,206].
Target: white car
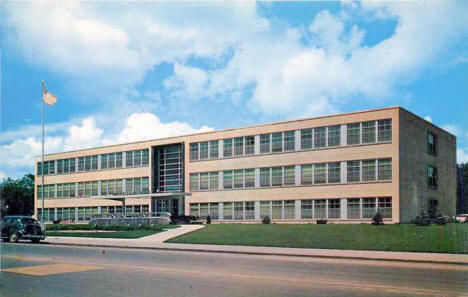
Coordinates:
[462,218]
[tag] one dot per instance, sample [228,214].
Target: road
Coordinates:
[84,271]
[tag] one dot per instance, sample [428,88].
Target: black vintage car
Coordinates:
[14,228]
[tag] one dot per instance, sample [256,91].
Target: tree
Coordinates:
[17,196]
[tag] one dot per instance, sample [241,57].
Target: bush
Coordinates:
[422,219]
[208,219]
[113,227]
[322,221]
[377,219]
[266,220]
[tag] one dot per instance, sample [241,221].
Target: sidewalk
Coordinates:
[156,241]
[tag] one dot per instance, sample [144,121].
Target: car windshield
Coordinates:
[28,221]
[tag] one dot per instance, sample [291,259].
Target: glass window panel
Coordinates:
[289,175]
[203,150]
[289,141]
[320,137]
[306,174]
[265,178]
[214,149]
[277,176]
[354,171]
[66,190]
[81,189]
[368,170]
[265,209]
[95,188]
[306,209]
[66,166]
[145,157]
[368,208]
[214,180]
[239,146]
[320,173]
[334,209]
[354,208]
[306,139]
[118,186]
[238,178]
[385,169]
[368,132]
[118,160]
[214,215]
[227,147]
[354,133]
[194,182]
[250,178]
[277,142]
[334,172]
[88,163]
[87,189]
[129,159]
[59,166]
[104,188]
[289,209]
[265,143]
[59,190]
[385,130]
[227,179]
[277,209]
[204,181]
[137,158]
[385,207]
[104,161]
[72,165]
[111,160]
[137,185]
[320,209]
[334,135]
[94,162]
[227,210]
[238,210]
[249,210]
[249,145]
[194,208]
[111,186]
[72,190]
[81,164]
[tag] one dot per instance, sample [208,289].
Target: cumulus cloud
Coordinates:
[454,129]
[462,155]
[428,118]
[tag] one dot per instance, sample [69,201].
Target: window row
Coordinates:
[132,186]
[85,213]
[350,209]
[310,138]
[96,162]
[320,173]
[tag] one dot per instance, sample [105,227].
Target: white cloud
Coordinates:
[17,157]
[2,176]
[428,118]
[452,129]
[462,155]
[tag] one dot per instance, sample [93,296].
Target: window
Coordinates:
[72,165]
[306,174]
[72,190]
[111,161]
[129,159]
[204,181]
[320,209]
[81,164]
[104,188]
[203,150]
[334,172]
[320,137]
[385,130]
[265,209]
[203,210]
[214,211]
[334,135]
[334,208]
[265,180]
[66,165]
[250,178]
[368,170]
[111,187]
[94,188]
[354,133]
[385,169]
[320,173]
[238,210]
[354,171]
[289,141]
[81,189]
[104,162]
[368,208]
[227,210]
[306,139]
[137,185]
[214,180]
[368,132]
[66,190]
[51,167]
[276,209]
[59,166]
[265,143]
[239,146]
[277,176]
[354,209]
[249,210]
[227,179]
[193,151]
[289,209]
[277,142]
[145,157]
[94,162]
[194,180]
[289,175]
[118,160]
[431,144]
[129,185]
[137,158]
[88,163]
[118,186]
[238,178]
[88,189]
[249,145]
[227,148]
[432,177]
[214,149]
[194,209]
[306,209]
[385,207]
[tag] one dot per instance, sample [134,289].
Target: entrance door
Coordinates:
[175,207]
[161,206]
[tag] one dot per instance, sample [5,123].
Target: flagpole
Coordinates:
[42,167]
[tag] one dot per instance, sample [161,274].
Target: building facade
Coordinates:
[343,168]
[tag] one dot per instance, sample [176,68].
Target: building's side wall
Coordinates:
[415,195]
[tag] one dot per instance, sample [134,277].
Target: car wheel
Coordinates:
[14,237]
[35,240]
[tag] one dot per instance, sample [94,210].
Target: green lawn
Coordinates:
[451,238]
[114,234]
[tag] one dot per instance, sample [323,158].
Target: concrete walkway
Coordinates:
[156,241]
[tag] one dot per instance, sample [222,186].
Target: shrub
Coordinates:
[266,220]
[422,219]
[208,219]
[322,221]
[377,219]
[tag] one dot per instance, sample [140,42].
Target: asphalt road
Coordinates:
[132,272]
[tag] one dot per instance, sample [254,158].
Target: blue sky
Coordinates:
[127,71]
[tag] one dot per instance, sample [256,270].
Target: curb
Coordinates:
[260,253]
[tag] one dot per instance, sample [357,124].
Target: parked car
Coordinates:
[462,218]
[14,228]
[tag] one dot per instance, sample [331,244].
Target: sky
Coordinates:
[128,71]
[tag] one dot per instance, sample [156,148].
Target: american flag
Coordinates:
[48,97]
